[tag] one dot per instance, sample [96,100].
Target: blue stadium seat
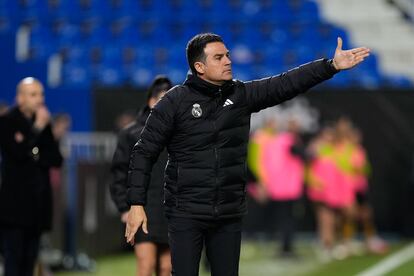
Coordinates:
[112,56]
[179,31]
[76,75]
[220,10]
[140,8]
[64,34]
[368,78]
[242,55]
[5,23]
[140,76]
[275,10]
[175,73]
[270,56]
[243,73]
[77,53]
[397,81]
[303,10]
[109,75]
[41,43]
[176,56]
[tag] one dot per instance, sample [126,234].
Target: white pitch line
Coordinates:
[391,262]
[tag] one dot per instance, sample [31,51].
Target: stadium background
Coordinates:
[96,58]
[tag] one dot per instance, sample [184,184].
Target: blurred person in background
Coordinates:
[263,220]
[338,186]
[61,124]
[28,151]
[344,199]
[124,119]
[204,124]
[3,110]
[283,176]
[151,250]
[255,151]
[359,172]
[4,107]
[332,188]
[321,175]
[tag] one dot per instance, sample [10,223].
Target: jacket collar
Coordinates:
[206,87]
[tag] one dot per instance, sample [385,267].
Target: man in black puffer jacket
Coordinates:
[205,124]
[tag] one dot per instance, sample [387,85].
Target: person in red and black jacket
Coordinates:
[205,125]
[152,251]
[28,151]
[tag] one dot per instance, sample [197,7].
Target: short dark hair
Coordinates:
[195,48]
[159,84]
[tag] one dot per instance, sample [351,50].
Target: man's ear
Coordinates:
[200,67]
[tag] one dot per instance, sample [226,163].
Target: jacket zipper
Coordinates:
[215,207]
[177,205]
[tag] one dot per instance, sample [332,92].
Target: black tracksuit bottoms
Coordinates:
[222,238]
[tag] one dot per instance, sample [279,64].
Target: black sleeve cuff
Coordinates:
[331,67]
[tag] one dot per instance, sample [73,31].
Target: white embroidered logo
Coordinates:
[228,102]
[197,111]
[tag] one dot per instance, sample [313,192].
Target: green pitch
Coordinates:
[260,258]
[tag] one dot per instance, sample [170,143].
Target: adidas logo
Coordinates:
[228,102]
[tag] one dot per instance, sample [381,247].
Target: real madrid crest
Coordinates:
[197,111]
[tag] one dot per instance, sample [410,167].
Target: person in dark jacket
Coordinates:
[151,250]
[28,151]
[204,124]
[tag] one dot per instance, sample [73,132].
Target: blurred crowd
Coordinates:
[331,171]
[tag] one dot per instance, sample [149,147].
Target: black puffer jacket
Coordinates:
[206,130]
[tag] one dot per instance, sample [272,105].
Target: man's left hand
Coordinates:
[346,59]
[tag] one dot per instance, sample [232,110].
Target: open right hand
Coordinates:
[136,219]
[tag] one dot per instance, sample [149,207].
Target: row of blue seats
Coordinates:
[169,34]
[149,53]
[155,25]
[160,6]
[246,66]
[146,56]
[51,39]
[12,23]
[79,75]
[173,29]
[70,10]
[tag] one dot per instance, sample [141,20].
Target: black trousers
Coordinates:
[286,223]
[20,247]
[280,218]
[221,237]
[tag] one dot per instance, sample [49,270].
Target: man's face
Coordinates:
[30,96]
[217,65]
